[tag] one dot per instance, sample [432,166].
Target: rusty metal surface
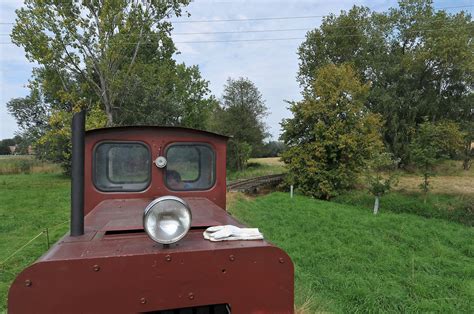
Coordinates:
[250,279]
[123,220]
[104,273]
[115,268]
[157,139]
[123,214]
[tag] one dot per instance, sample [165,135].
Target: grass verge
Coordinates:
[348,260]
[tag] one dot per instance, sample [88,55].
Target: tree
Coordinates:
[331,135]
[418,62]
[269,149]
[379,182]
[114,58]
[240,115]
[432,143]
[98,42]
[5,146]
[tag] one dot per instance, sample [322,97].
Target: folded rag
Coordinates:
[231,233]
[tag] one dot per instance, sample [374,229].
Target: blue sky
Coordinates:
[271,65]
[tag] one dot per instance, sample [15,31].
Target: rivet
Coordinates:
[142,300]
[232,258]
[168,258]
[191,296]
[28,283]
[281,260]
[96,267]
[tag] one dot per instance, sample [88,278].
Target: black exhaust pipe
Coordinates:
[77,184]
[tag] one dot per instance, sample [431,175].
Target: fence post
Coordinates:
[291,191]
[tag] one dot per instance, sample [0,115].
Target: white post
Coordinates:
[291,191]
[376,205]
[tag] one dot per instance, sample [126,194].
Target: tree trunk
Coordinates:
[376,205]
[466,164]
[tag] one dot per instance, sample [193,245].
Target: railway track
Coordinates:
[252,185]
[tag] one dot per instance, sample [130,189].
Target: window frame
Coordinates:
[213,168]
[94,168]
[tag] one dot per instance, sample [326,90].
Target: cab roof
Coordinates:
[155,128]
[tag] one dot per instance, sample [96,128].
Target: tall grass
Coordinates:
[457,208]
[347,260]
[18,164]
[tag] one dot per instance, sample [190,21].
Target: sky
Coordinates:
[271,64]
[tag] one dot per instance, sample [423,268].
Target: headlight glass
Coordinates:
[167,219]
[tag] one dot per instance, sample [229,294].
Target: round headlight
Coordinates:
[167,219]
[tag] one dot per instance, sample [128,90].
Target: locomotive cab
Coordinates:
[138,246]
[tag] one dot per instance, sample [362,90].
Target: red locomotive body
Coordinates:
[114,266]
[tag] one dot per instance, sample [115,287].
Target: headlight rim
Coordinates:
[148,211]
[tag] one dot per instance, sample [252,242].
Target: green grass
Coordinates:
[256,168]
[28,205]
[348,260]
[457,208]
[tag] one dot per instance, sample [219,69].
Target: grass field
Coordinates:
[257,167]
[28,205]
[348,260]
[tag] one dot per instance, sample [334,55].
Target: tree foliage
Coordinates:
[332,135]
[380,176]
[98,42]
[418,60]
[240,115]
[432,143]
[114,58]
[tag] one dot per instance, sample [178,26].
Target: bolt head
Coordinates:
[168,258]
[281,260]
[232,258]
[96,267]
[143,301]
[28,283]
[191,296]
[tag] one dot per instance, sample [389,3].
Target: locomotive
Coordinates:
[141,199]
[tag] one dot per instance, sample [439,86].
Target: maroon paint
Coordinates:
[115,267]
[157,139]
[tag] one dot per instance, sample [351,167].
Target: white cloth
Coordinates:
[231,233]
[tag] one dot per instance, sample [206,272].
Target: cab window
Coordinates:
[122,166]
[190,167]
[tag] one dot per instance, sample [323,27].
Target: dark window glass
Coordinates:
[190,167]
[122,166]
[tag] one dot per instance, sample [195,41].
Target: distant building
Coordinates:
[13,149]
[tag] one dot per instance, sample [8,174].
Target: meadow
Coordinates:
[346,259]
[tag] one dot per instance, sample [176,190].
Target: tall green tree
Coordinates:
[114,58]
[418,61]
[331,135]
[98,41]
[240,115]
